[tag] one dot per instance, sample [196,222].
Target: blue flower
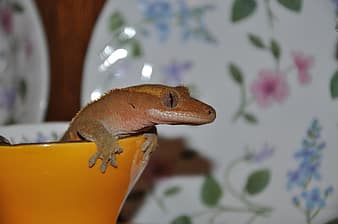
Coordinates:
[192,20]
[296,178]
[313,199]
[311,170]
[328,191]
[163,14]
[184,13]
[296,201]
[308,155]
[174,72]
[309,158]
[307,144]
[304,173]
[163,30]
[321,145]
[158,10]
[265,153]
[159,13]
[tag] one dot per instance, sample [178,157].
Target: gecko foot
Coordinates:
[106,157]
[106,142]
[106,160]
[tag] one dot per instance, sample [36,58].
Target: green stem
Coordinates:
[253,208]
[244,103]
[315,213]
[307,183]
[269,13]
[252,219]
[215,212]
[308,217]
[235,209]
[159,202]
[221,209]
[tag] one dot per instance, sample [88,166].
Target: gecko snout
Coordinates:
[211,113]
[206,114]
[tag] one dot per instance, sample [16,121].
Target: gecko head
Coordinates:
[174,105]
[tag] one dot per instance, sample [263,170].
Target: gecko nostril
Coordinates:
[210,112]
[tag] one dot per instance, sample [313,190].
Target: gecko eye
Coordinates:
[170,99]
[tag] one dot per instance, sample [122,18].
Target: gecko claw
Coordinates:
[118,150]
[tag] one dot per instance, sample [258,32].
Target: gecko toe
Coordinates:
[113,162]
[103,167]
[106,160]
[118,150]
[93,159]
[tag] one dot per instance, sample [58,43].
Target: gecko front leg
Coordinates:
[107,145]
[151,142]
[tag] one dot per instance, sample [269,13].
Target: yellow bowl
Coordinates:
[52,183]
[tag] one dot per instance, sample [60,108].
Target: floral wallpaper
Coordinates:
[264,68]
[284,69]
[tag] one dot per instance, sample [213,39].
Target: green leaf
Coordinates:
[236,73]
[256,41]
[22,89]
[136,49]
[334,85]
[241,9]
[294,5]
[116,21]
[183,219]
[17,7]
[172,191]
[211,192]
[250,118]
[275,49]
[257,181]
[333,221]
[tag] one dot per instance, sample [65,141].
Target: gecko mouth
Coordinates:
[173,117]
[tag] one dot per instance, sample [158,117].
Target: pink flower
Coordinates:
[270,86]
[303,64]
[6,20]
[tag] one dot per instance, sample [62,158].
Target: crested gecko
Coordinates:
[133,110]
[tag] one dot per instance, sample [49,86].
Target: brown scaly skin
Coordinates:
[131,110]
